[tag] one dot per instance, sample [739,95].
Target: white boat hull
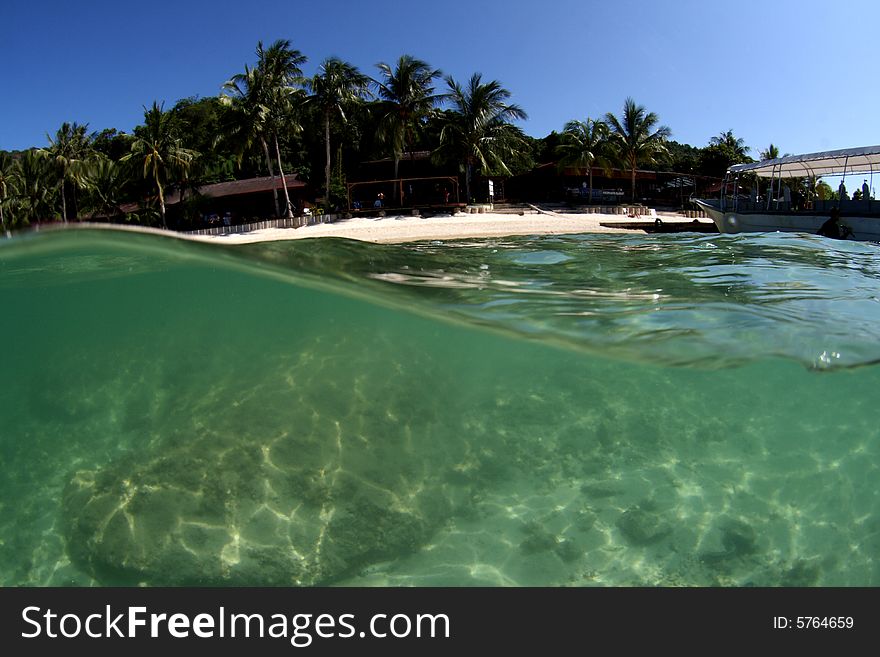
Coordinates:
[865,229]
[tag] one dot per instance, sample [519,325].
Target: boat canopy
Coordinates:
[865,159]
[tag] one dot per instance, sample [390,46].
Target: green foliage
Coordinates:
[263,122]
[734,146]
[34,189]
[157,149]
[634,141]
[477,131]
[681,158]
[111,143]
[722,152]
[544,149]
[199,124]
[68,152]
[105,183]
[584,144]
[769,153]
[406,101]
[266,101]
[337,86]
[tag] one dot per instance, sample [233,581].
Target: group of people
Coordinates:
[865,192]
[213,219]
[379,201]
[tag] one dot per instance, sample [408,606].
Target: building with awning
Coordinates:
[243,200]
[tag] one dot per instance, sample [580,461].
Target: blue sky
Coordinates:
[797,74]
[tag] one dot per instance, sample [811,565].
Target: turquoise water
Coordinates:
[595,410]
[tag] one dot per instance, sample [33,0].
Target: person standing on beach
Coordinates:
[866,191]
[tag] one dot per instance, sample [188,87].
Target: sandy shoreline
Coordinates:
[393,229]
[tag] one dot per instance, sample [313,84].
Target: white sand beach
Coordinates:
[393,229]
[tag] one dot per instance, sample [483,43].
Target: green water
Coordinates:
[584,410]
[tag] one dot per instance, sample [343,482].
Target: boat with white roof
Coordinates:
[859,219]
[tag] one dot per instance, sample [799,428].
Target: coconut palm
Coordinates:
[769,153]
[280,72]
[733,145]
[407,99]
[6,183]
[105,182]
[337,85]
[68,150]
[33,187]
[158,149]
[477,130]
[247,121]
[635,138]
[584,144]
[264,99]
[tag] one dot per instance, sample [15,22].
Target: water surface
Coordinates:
[580,410]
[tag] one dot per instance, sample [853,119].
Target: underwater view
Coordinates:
[588,410]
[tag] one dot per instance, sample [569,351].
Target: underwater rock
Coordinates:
[739,544]
[641,525]
[537,539]
[333,481]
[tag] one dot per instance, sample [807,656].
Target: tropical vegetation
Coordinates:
[477,132]
[585,144]
[636,139]
[340,124]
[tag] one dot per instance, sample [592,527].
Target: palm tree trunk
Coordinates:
[283,181]
[396,166]
[467,183]
[272,174]
[162,203]
[327,165]
[633,192]
[63,203]
[590,201]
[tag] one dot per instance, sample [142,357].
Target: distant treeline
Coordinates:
[270,120]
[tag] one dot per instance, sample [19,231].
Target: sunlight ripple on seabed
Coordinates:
[556,411]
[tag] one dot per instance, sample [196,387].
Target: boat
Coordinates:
[735,212]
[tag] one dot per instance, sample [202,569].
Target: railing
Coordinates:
[815,206]
[285,222]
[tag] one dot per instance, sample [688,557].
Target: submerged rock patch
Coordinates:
[338,479]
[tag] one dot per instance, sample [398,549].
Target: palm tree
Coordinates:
[733,145]
[262,98]
[635,139]
[33,190]
[584,144]
[337,85]
[407,95]
[279,71]
[478,129]
[248,121]
[6,182]
[158,147]
[70,148]
[105,181]
[769,153]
